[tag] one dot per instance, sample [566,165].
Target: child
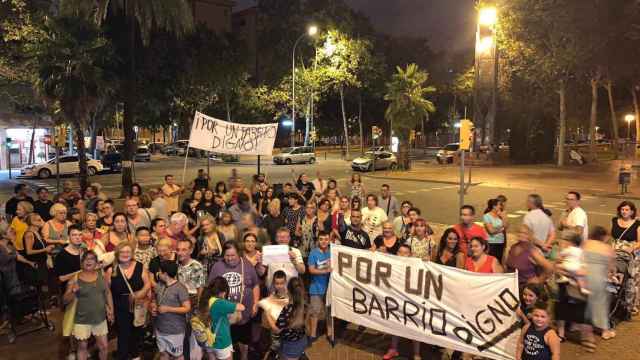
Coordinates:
[273,306]
[290,324]
[169,309]
[144,251]
[531,294]
[403,250]
[571,263]
[320,270]
[219,310]
[538,341]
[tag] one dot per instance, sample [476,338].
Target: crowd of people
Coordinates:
[187,276]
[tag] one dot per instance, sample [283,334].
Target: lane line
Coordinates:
[513,216]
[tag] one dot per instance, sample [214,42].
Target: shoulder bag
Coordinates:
[139,310]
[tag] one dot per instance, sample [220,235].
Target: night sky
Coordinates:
[449,24]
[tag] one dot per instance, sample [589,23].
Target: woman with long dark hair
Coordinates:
[495,225]
[449,253]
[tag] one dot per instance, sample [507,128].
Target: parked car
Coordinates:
[156,147]
[112,161]
[69,164]
[177,148]
[296,155]
[447,153]
[143,154]
[382,160]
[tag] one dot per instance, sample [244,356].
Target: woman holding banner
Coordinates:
[449,253]
[480,261]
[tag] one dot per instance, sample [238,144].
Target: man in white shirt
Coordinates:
[575,218]
[292,268]
[540,223]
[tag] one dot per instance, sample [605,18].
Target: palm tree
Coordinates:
[72,75]
[143,17]
[406,93]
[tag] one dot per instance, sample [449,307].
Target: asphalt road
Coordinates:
[438,201]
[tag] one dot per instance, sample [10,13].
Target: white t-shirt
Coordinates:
[288,267]
[578,217]
[372,221]
[539,223]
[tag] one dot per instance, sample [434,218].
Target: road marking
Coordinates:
[521,212]
[600,213]
[513,216]
[412,191]
[400,193]
[426,190]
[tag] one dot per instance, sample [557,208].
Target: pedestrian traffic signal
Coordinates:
[376,132]
[466,134]
[412,135]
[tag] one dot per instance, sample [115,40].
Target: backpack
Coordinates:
[202,331]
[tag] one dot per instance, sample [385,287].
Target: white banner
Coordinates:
[223,137]
[423,301]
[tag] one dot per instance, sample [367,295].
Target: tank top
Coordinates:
[452,262]
[91,308]
[485,268]
[535,348]
[119,289]
[58,235]
[626,234]
[520,259]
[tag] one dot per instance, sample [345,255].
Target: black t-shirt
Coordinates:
[103,222]
[200,183]
[307,189]
[66,263]
[357,239]
[379,242]
[213,209]
[42,208]
[272,224]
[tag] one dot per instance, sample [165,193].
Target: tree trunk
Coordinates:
[344,121]
[403,157]
[563,123]
[594,119]
[31,159]
[636,109]
[307,123]
[614,119]
[94,135]
[128,120]
[82,156]
[360,122]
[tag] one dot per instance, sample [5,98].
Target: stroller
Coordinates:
[23,301]
[621,286]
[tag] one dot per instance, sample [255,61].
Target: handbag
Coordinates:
[236,317]
[139,310]
[69,318]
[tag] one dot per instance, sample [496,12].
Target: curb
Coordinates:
[418,180]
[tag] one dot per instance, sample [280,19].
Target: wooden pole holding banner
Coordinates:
[184,171]
[258,173]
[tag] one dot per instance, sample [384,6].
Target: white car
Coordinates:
[383,160]
[68,165]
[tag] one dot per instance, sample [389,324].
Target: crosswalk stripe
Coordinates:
[521,212]
[513,216]
[400,193]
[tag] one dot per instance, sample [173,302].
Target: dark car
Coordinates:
[112,161]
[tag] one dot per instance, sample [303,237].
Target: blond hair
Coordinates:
[27,206]
[56,208]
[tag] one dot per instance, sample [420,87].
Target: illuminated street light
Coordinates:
[488,16]
[629,118]
[312,30]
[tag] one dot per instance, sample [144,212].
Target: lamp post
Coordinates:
[629,118]
[486,72]
[311,31]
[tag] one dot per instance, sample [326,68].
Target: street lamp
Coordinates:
[488,16]
[311,31]
[486,74]
[629,118]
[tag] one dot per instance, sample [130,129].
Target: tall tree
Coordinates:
[73,75]
[142,18]
[408,104]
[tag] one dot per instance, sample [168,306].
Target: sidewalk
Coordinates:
[598,178]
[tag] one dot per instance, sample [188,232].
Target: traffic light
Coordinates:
[466,134]
[376,132]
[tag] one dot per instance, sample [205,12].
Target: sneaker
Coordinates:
[391,354]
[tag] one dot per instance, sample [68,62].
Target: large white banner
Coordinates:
[215,135]
[427,302]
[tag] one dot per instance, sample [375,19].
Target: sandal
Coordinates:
[588,345]
[608,334]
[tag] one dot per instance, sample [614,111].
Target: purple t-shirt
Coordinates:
[236,280]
